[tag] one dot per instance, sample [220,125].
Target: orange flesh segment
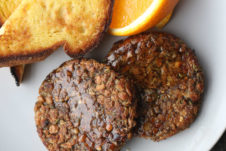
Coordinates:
[133,10]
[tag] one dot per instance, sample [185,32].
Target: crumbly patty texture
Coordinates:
[85,106]
[168,77]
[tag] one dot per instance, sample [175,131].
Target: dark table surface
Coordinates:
[221,144]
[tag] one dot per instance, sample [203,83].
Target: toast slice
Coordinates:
[18,73]
[37,27]
[6,9]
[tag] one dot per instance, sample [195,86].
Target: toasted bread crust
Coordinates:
[1,22]
[18,73]
[93,44]
[14,60]
[18,59]
[7,8]
[39,54]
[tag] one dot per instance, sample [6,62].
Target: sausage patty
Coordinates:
[84,105]
[168,77]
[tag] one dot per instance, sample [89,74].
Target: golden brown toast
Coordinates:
[37,27]
[6,9]
[18,73]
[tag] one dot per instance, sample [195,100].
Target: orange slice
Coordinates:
[134,16]
[163,22]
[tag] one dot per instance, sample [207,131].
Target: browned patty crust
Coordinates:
[168,78]
[85,106]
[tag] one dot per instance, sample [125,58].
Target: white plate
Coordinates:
[201,23]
